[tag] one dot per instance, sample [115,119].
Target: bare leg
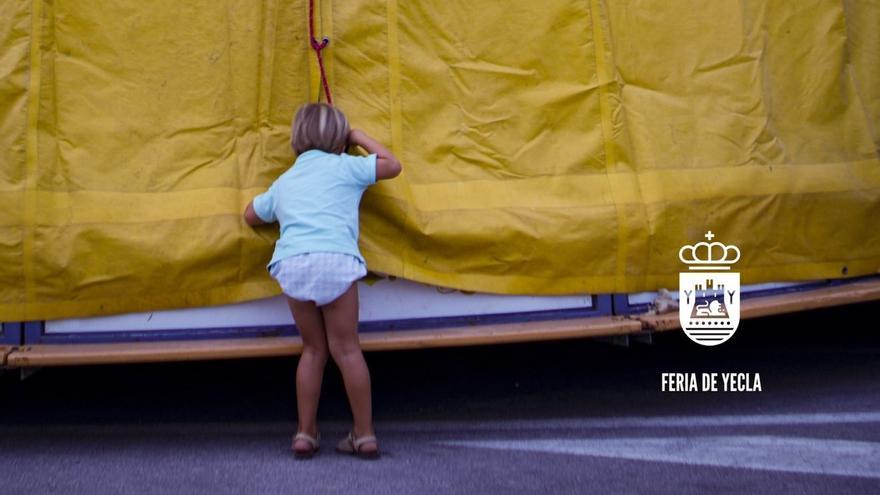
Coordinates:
[340,322]
[310,371]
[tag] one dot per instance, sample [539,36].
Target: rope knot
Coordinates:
[318,47]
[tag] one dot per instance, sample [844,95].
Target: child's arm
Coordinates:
[250,216]
[387,165]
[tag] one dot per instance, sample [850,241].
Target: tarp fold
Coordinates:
[549,148]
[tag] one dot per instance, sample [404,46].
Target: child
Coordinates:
[317,262]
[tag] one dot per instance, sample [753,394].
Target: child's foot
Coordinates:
[304,445]
[365,447]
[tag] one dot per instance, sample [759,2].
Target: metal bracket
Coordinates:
[618,340]
[28,372]
[3,357]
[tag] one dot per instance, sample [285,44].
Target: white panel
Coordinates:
[384,300]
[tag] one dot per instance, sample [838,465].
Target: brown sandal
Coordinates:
[305,453]
[352,446]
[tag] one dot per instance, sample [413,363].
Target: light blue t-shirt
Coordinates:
[316,202]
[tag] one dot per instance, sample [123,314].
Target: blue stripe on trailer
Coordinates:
[10,333]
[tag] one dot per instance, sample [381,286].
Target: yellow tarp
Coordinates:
[549,147]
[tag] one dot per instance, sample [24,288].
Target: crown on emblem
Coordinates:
[708,253]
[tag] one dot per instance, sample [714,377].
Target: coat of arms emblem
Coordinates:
[709,292]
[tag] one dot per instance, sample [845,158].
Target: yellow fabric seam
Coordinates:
[31,153]
[604,76]
[396,115]
[542,193]
[57,309]
[314,70]
[494,283]
[86,207]
[394,77]
[326,27]
[266,67]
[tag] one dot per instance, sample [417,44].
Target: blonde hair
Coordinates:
[319,126]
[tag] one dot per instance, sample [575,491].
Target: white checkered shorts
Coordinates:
[319,277]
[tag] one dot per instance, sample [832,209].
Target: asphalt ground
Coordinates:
[577,416]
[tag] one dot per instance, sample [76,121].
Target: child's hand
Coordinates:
[356,137]
[387,165]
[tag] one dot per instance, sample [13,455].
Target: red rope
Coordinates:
[318,47]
